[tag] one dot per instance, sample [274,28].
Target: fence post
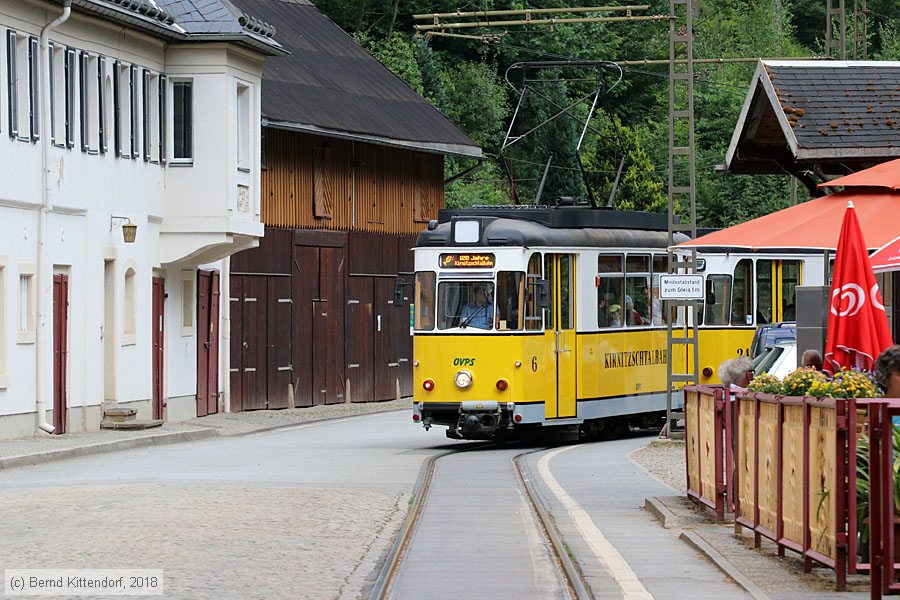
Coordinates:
[729,400]
[840,500]
[876,554]
[718,406]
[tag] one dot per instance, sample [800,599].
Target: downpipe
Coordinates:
[46,207]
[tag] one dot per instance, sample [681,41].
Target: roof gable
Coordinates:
[805,112]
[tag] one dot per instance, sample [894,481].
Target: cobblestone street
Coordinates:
[295,518]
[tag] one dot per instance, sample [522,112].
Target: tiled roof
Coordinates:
[840,106]
[215,17]
[187,19]
[828,116]
[330,84]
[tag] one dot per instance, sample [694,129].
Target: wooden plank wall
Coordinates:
[745,460]
[822,469]
[792,473]
[316,182]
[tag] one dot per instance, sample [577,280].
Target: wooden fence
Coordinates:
[793,475]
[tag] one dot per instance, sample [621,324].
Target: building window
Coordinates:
[107,104]
[183,121]
[129,330]
[89,84]
[244,126]
[187,303]
[4,374]
[22,81]
[123,107]
[57,94]
[151,116]
[134,85]
[26,316]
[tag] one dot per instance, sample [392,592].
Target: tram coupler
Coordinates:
[481,419]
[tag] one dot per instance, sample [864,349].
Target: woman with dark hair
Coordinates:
[887,371]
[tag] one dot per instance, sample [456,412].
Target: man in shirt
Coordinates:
[477,313]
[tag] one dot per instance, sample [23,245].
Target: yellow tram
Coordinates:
[550,316]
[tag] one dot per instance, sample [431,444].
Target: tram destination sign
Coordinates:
[467,261]
[681,287]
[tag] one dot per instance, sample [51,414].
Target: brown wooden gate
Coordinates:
[318,301]
[60,350]
[207,342]
[261,369]
[158,335]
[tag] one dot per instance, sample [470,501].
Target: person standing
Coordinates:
[811,359]
[736,372]
[887,371]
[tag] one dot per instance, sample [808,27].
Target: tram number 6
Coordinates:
[534,364]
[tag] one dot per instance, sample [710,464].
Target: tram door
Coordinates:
[776,285]
[559,324]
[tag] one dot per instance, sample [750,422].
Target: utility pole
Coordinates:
[835,10]
[681,333]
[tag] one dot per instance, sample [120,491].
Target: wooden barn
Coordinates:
[353,169]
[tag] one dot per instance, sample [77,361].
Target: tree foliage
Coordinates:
[464,79]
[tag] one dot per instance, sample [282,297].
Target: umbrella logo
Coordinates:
[850,299]
[874,295]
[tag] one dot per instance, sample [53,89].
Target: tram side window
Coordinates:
[742,301]
[549,320]
[610,290]
[510,299]
[424,300]
[466,304]
[790,279]
[637,290]
[660,267]
[718,299]
[763,291]
[533,320]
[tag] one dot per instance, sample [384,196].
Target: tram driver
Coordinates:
[476,313]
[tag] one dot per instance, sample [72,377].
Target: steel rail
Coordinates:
[578,588]
[382,587]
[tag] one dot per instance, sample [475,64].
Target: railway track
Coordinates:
[386,584]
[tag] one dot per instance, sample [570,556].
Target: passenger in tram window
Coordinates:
[632,317]
[656,308]
[615,315]
[887,372]
[477,312]
[603,310]
[789,313]
[811,359]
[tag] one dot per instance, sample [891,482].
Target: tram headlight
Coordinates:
[463,380]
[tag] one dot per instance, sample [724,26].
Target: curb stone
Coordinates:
[103,447]
[659,510]
[703,547]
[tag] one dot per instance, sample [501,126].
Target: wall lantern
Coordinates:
[129,229]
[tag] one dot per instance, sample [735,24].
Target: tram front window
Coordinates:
[467,304]
[424,300]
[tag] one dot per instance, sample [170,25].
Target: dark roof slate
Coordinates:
[839,106]
[830,116]
[329,83]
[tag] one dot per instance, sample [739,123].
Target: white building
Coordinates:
[145,113]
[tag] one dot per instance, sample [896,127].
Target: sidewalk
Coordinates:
[44,448]
[760,571]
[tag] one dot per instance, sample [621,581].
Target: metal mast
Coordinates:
[681,330]
[835,8]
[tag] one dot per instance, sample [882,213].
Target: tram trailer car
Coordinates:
[529,317]
[744,290]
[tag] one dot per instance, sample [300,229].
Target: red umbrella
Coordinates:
[857,324]
[887,258]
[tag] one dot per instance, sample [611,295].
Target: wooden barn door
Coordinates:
[387,320]
[249,341]
[318,301]
[60,350]
[207,342]
[360,343]
[279,370]
[158,339]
